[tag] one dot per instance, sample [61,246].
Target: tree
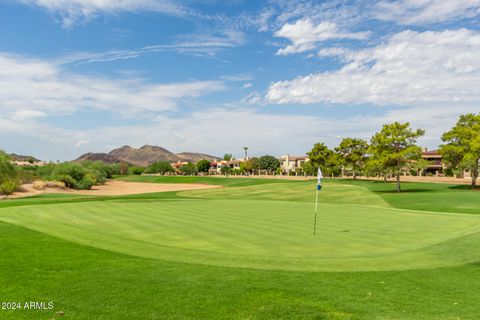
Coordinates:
[309,168]
[188,169]
[268,163]
[227,156]
[160,167]
[203,165]
[394,148]
[250,165]
[462,150]
[321,156]
[352,153]
[374,167]
[225,170]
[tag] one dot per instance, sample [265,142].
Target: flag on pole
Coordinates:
[319,178]
[319,187]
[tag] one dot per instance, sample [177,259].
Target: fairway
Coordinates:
[264,227]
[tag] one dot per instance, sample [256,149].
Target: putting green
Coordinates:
[262,234]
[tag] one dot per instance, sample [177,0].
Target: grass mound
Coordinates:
[260,233]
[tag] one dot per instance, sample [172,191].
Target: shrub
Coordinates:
[45,171]
[75,171]
[136,170]
[7,169]
[7,187]
[188,169]
[67,180]
[161,167]
[87,182]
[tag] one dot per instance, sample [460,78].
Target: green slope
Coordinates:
[88,283]
[260,233]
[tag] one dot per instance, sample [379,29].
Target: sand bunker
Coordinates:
[116,188]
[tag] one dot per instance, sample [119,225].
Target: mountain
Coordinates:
[144,156]
[195,157]
[18,157]
[105,157]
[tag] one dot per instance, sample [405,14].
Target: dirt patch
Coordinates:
[115,188]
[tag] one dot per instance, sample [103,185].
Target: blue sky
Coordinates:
[214,76]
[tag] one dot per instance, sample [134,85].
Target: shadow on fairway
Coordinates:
[464,187]
[405,191]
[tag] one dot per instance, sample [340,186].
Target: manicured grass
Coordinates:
[438,197]
[259,234]
[245,252]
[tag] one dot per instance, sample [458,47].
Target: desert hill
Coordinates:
[144,156]
[91,156]
[18,157]
[195,157]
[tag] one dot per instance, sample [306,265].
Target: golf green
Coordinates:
[220,228]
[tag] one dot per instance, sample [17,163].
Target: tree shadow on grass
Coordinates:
[406,191]
[464,187]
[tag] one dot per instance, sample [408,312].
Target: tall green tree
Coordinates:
[227,156]
[203,165]
[462,148]
[394,147]
[353,152]
[268,163]
[322,156]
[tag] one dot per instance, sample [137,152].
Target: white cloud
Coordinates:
[198,45]
[81,143]
[253,98]
[71,11]
[411,68]
[426,11]
[305,35]
[33,88]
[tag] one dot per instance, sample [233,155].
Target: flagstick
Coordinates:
[315,221]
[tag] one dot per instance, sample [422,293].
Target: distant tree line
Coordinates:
[393,150]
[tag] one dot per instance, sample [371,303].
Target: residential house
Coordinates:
[290,163]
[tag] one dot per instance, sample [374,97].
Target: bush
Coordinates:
[136,170]
[67,180]
[7,169]
[160,167]
[7,187]
[87,182]
[188,169]
[75,171]
[45,171]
